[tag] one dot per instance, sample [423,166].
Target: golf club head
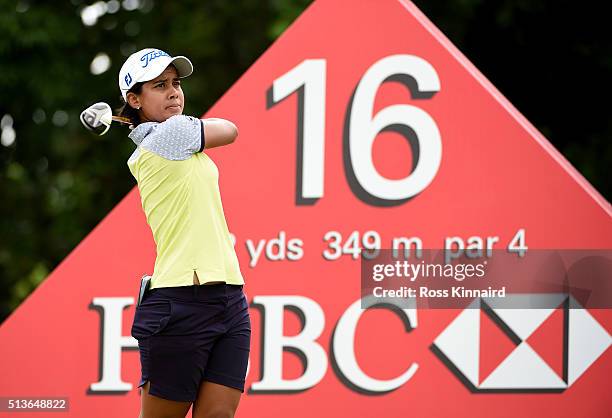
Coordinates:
[97,118]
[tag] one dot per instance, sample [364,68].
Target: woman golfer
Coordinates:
[193,325]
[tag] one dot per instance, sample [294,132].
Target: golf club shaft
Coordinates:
[121,119]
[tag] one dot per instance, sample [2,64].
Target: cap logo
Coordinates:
[150,56]
[128,79]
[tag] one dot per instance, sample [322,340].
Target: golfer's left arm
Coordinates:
[218,132]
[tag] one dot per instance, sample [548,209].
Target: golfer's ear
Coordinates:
[133,100]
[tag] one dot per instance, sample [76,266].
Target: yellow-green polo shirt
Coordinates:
[179,191]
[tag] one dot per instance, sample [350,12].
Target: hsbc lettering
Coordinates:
[274,342]
[458,342]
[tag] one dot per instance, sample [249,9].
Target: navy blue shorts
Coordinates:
[189,334]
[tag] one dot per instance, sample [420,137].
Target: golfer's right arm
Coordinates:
[218,132]
[180,136]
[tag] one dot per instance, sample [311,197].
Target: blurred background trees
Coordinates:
[551,59]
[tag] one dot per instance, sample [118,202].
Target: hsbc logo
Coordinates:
[575,338]
[577,342]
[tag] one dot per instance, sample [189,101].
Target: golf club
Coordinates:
[98,117]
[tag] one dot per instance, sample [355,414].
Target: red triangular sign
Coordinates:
[310,179]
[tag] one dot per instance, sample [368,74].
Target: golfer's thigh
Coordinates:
[156,407]
[215,400]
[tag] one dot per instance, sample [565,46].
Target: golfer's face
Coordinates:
[162,97]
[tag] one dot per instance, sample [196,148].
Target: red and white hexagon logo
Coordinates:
[545,349]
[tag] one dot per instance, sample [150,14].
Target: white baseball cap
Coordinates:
[147,64]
